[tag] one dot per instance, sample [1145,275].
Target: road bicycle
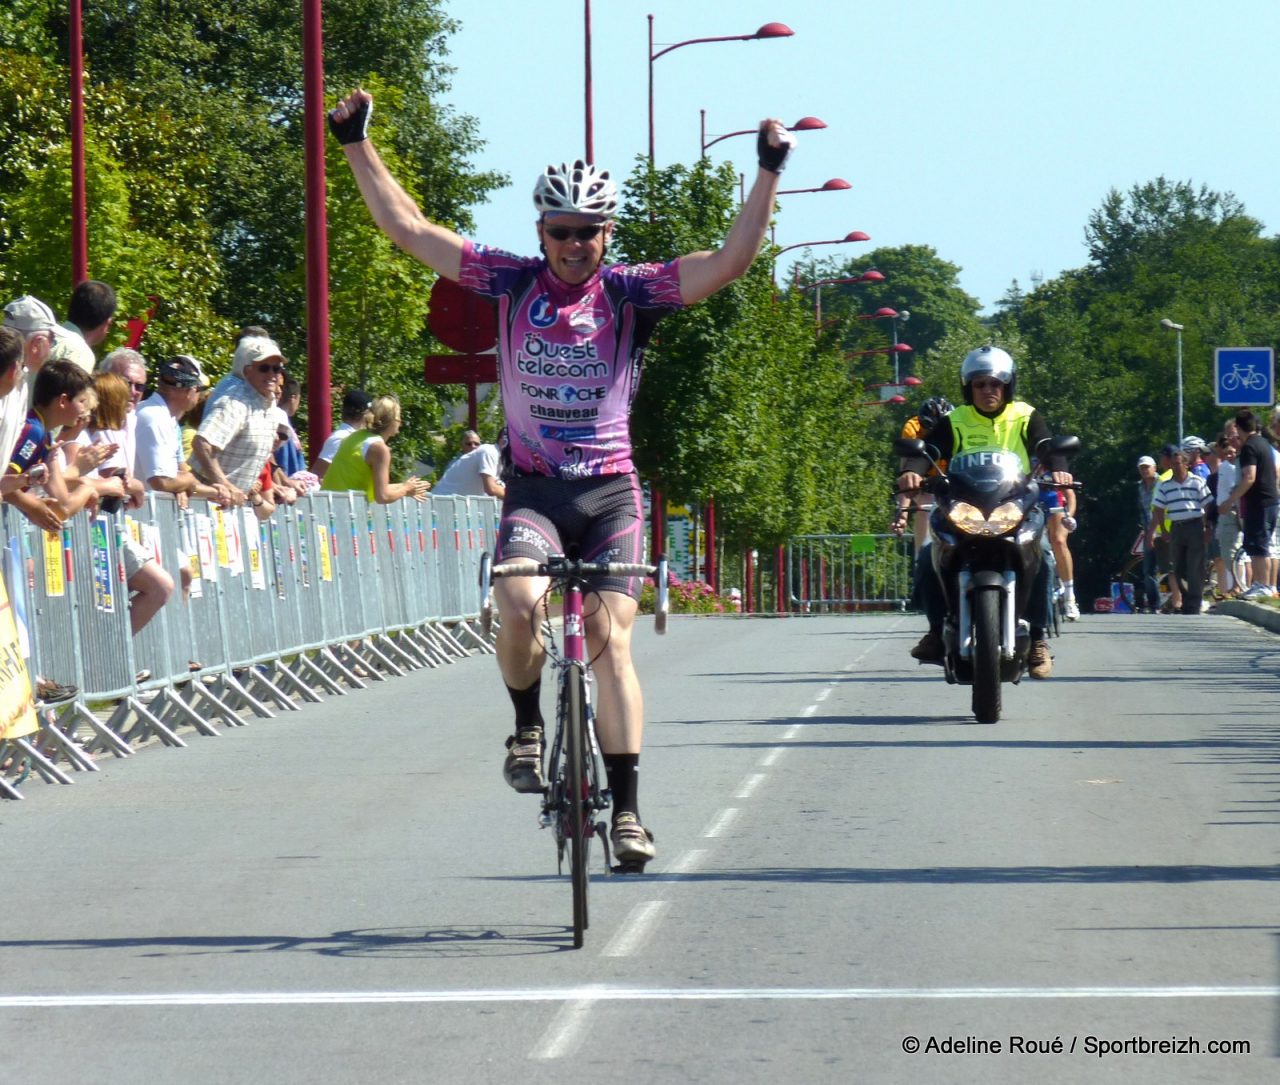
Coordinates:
[576,790]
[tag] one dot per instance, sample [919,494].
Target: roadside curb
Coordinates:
[1266,617]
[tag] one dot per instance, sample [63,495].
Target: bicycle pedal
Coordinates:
[633,866]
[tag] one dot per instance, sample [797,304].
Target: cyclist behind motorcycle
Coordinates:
[572,335]
[1059,522]
[931,412]
[991,418]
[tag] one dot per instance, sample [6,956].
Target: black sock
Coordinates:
[528,712]
[623,770]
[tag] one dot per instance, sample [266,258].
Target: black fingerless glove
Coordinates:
[355,129]
[772,158]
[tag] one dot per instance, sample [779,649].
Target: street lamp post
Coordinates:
[804,124]
[853,235]
[895,317]
[769,30]
[871,275]
[657,518]
[1170,326]
[836,184]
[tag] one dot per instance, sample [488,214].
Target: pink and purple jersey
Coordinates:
[570,356]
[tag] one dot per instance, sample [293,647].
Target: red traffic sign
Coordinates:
[460,319]
[461,369]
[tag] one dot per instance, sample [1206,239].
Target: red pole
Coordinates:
[712,572]
[79,202]
[319,408]
[591,143]
[471,405]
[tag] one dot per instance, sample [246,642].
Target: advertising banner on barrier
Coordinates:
[104,583]
[17,709]
[220,538]
[55,585]
[322,550]
[253,550]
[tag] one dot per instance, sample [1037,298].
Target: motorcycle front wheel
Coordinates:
[986,655]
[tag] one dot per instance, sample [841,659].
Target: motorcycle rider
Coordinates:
[991,418]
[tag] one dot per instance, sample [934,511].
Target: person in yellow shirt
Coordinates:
[931,412]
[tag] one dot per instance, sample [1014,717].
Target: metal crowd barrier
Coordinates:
[325,596]
[827,573]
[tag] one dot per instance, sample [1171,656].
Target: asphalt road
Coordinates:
[847,868]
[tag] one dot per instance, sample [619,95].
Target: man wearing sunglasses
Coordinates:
[476,472]
[238,432]
[572,337]
[990,418]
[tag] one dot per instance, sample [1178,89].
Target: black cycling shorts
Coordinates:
[602,516]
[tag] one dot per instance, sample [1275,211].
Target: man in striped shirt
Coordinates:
[1184,497]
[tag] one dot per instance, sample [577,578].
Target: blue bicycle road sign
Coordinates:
[1244,376]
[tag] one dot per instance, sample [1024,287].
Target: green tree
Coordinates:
[212,146]
[740,400]
[147,234]
[1097,362]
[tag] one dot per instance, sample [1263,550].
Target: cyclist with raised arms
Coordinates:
[572,332]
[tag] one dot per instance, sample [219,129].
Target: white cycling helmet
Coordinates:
[1194,444]
[990,360]
[579,189]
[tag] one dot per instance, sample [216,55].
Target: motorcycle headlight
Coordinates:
[970,520]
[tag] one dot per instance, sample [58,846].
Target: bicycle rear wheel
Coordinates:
[577,808]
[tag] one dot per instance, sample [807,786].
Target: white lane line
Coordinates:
[636,928]
[750,784]
[564,1034]
[618,994]
[809,711]
[791,732]
[721,822]
[768,760]
[823,694]
[688,862]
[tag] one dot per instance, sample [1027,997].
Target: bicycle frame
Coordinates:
[573,793]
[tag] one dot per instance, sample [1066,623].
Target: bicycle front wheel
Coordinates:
[577,807]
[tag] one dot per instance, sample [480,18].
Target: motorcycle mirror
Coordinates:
[909,446]
[1061,446]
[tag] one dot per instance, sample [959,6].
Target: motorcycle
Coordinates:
[986,529]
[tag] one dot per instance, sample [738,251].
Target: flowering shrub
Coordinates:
[689,597]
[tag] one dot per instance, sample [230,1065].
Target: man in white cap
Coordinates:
[238,432]
[33,320]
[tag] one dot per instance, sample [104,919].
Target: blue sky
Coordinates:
[989,129]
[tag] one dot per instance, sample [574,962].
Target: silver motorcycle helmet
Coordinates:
[991,361]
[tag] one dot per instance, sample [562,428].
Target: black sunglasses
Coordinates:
[581,233]
[264,367]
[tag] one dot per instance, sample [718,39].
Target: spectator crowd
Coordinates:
[1208,517]
[79,435]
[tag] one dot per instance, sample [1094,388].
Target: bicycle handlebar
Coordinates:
[558,567]
[565,567]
